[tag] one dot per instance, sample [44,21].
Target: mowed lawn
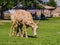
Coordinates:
[48,33]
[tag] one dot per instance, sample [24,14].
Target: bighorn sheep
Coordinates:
[25,18]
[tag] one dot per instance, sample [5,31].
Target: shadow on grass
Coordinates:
[31,36]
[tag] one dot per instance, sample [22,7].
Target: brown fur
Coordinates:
[22,17]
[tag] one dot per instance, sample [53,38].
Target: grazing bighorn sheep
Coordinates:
[25,18]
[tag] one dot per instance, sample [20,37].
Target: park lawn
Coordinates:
[48,33]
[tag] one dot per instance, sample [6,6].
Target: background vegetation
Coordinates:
[27,4]
[51,3]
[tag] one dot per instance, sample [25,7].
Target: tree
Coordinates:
[28,3]
[51,3]
[40,1]
[5,5]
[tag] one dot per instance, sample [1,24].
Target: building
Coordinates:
[56,12]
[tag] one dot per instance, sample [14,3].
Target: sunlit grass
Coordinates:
[47,34]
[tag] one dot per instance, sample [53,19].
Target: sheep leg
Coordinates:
[25,31]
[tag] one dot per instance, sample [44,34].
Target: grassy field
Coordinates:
[48,33]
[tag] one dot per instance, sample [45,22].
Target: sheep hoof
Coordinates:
[9,35]
[26,36]
[21,35]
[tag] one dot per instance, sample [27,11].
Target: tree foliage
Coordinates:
[8,4]
[51,3]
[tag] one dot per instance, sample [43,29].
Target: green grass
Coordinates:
[48,33]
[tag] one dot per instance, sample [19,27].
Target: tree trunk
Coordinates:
[2,15]
[1,12]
